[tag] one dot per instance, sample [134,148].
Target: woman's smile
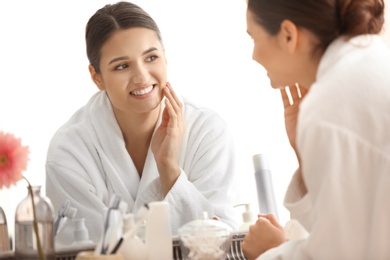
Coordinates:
[143,91]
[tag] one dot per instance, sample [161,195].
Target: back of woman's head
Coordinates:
[327,19]
[110,18]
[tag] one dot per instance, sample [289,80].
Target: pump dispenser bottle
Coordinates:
[81,234]
[248,217]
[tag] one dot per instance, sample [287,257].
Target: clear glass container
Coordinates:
[26,246]
[205,239]
[4,238]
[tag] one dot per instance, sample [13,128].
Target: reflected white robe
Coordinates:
[87,163]
[343,137]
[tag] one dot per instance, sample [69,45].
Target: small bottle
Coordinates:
[81,235]
[248,217]
[26,245]
[158,233]
[265,189]
[4,238]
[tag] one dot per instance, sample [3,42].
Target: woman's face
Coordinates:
[268,52]
[133,70]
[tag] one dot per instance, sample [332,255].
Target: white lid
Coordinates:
[260,162]
[204,227]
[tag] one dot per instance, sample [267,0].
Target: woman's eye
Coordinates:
[151,58]
[121,67]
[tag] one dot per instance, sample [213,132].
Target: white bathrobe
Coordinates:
[87,163]
[343,138]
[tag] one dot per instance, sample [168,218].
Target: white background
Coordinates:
[44,79]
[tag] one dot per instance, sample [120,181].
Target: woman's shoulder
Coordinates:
[76,126]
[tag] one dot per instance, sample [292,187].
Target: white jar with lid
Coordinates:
[205,238]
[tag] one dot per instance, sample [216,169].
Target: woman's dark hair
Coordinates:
[110,18]
[327,19]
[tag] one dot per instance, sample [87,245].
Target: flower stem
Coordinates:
[35,223]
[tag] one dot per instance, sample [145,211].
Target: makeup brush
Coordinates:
[140,217]
[113,205]
[65,212]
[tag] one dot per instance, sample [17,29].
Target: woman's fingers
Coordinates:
[272,218]
[173,104]
[170,107]
[173,98]
[296,93]
[285,98]
[303,91]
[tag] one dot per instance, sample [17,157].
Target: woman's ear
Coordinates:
[288,36]
[96,77]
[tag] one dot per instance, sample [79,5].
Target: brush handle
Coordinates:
[118,244]
[115,230]
[61,214]
[56,225]
[106,227]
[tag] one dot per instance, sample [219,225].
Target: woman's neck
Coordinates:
[137,131]
[138,128]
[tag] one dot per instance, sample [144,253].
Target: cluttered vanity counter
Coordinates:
[144,235]
[234,252]
[149,237]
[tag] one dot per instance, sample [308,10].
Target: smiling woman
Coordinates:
[137,138]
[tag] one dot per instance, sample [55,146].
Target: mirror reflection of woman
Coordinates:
[136,136]
[337,120]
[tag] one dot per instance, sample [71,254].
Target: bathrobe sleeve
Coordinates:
[206,182]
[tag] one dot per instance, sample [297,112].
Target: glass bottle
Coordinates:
[4,238]
[26,246]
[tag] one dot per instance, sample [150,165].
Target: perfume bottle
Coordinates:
[26,244]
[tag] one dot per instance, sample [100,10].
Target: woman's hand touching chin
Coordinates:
[168,138]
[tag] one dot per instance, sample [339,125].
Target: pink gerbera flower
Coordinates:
[13,159]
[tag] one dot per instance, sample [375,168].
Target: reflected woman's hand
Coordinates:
[291,110]
[168,138]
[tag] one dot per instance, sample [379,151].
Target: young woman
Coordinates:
[337,121]
[136,137]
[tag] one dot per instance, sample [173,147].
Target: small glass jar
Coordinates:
[26,246]
[205,239]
